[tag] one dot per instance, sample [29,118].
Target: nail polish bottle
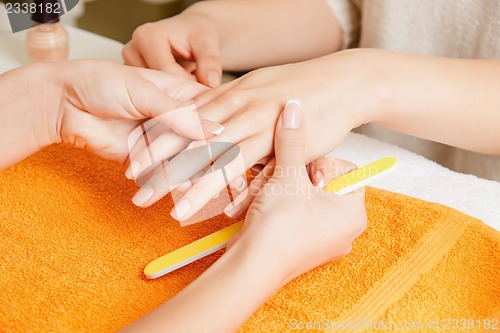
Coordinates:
[48,41]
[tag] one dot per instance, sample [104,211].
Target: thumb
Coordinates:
[289,138]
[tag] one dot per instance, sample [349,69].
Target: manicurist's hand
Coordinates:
[103,103]
[295,222]
[92,104]
[186,45]
[235,35]
[291,227]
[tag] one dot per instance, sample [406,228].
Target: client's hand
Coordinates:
[329,89]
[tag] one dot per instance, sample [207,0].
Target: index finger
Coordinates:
[157,54]
[175,87]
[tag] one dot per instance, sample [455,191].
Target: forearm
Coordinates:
[452,101]
[28,112]
[258,33]
[220,300]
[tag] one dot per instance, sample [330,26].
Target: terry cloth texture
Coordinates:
[73,248]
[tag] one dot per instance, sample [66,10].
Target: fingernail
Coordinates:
[211,126]
[235,207]
[318,179]
[214,79]
[256,169]
[216,196]
[232,209]
[143,195]
[292,115]
[239,184]
[180,210]
[133,170]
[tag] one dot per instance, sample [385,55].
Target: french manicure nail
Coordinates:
[292,115]
[143,195]
[214,79]
[239,184]
[180,210]
[232,209]
[128,173]
[318,179]
[133,170]
[211,126]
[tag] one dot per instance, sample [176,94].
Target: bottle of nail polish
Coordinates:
[48,41]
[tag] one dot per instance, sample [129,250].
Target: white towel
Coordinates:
[421,178]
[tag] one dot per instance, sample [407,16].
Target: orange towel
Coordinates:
[73,248]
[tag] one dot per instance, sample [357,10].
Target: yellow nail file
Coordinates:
[216,241]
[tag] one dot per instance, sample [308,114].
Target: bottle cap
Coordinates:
[46,11]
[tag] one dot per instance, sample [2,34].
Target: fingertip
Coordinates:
[214,79]
[318,179]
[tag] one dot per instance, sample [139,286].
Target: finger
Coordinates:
[154,188]
[323,170]
[188,65]
[155,49]
[256,169]
[147,100]
[131,56]
[216,98]
[233,240]
[179,190]
[240,204]
[178,170]
[185,121]
[212,183]
[208,66]
[106,138]
[177,88]
[152,148]
[139,139]
[289,138]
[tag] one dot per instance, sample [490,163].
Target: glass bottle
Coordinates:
[46,42]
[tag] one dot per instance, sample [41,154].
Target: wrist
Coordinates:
[45,89]
[254,263]
[261,266]
[372,79]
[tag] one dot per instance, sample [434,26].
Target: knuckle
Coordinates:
[213,61]
[235,98]
[290,141]
[143,31]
